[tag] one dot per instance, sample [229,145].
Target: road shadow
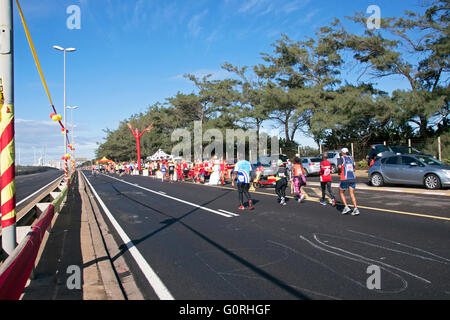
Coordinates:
[171,220]
[63,249]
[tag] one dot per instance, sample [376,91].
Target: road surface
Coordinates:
[27,185]
[187,241]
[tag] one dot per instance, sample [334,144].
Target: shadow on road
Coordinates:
[173,220]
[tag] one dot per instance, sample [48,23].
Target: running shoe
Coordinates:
[283,202]
[241,208]
[250,205]
[333,203]
[301,198]
[322,202]
[346,210]
[355,212]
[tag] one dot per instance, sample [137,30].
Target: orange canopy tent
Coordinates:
[104,160]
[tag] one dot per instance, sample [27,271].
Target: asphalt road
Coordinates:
[26,185]
[187,241]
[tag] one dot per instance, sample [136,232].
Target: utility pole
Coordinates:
[8,153]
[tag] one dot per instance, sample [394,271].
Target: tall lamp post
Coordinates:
[65,101]
[73,136]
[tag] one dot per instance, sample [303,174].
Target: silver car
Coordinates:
[333,157]
[311,165]
[410,169]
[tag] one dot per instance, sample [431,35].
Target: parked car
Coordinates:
[311,165]
[333,157]
[270,160]
[380,150]
[410,169]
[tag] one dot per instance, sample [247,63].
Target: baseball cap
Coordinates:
[344,150]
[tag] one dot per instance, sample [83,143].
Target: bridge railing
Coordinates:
[17,268]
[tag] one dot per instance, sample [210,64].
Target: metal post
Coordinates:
[409,145]
[439,148]
[65,121]
[8,180]
[353,153]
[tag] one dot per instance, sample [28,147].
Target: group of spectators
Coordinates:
[173,170]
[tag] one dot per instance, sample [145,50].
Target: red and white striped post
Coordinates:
[7,157]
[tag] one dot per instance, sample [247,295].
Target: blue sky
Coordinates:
[133,53]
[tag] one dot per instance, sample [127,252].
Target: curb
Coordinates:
[119,283]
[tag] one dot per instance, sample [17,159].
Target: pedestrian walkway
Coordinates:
[74,244]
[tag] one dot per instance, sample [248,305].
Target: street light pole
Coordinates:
[65,104]
[73,135]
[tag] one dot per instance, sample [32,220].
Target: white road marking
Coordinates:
[158,286]
[162,192]
[173,198]
[233,214]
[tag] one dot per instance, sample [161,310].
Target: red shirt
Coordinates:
[325,171]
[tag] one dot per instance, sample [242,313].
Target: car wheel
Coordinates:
[377,180]
[432,181]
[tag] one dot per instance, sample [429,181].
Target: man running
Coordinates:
[325,180]
[348,181]
[242,170]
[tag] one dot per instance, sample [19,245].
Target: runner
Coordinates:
[242,170]
[348,181]
[325,180]
[298,179]
[163,171]
[171,166]
[281,185]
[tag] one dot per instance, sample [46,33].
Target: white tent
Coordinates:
[159,155]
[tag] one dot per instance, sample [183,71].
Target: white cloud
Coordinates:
[249,5]
[194,24]
[35,138]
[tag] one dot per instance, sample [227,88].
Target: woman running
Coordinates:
[299,179]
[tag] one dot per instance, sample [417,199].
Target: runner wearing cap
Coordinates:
[348,181]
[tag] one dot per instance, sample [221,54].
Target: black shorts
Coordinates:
[243,187]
